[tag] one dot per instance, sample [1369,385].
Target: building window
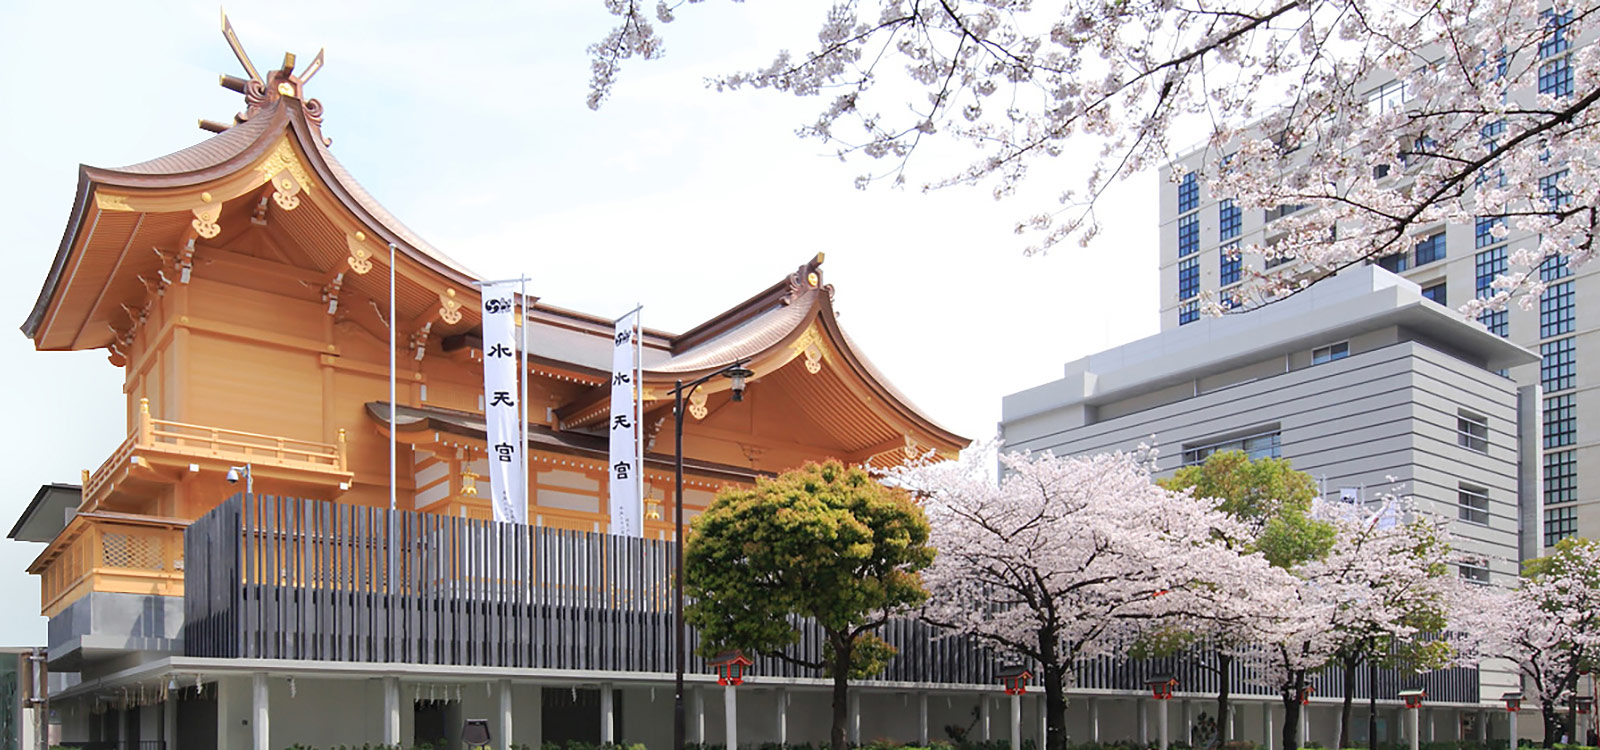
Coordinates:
[1395,263]
[1474,573]
[1189,193]
[1188,312]
[1487,266]
[1430,249]
[1472,431]
[1553,268]
[1390,96]
[1555,39]
[1483,230]
[1274,214]
[1560,477]
[1560,421]
[1229,219]
[1265,444]
[1188,235]
[1497,322]
[1438,293]
[1559,523]
[1556,310]
[1550,188]
[1557,365]
[1188,278]
[1555,77]
[1473,504]
[1230,265]
[1330,353]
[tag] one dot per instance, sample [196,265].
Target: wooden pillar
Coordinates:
[502,731]
[260,724]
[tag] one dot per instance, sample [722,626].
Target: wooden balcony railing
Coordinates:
[112,552]
[166,439]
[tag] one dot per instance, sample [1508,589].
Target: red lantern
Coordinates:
[1413,698]
[1305,694]
[1015,678]
[1161,686]
[730,666]
[1583,703]
[1513,701]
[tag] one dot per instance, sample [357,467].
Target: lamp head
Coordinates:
[233,475]
[739,373]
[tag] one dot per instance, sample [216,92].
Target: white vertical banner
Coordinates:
[626,505]
[502,413]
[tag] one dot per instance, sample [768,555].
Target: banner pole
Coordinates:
[394,333]
[638,409]
[522,513]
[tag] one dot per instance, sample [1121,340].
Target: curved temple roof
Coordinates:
[280,131]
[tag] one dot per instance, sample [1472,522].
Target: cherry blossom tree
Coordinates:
[1382,587]
[1548,629]
[1490,114]
[1064,559]
[1273,503]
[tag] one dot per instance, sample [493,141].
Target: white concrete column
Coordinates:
[1162,717]
[260,725]
[1433,725]
[1483,726]
[1094,720]
[169,720]
[1044,720]
[1186,730]
[608,715]
[391,711]
[783,716]
[730,717]
[1234,733]
[1016,721]
[1305,724]
[855,717]
[502,730]
[922,719]
[697,715]
[984,716]
[1144,721]
[1270,738]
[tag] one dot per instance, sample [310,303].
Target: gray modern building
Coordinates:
[1361,381]
[1204,252]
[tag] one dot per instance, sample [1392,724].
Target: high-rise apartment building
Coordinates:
[1201,240]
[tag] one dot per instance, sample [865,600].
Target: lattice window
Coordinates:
[131,551]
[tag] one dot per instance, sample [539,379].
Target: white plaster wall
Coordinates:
[647,718]
[233,712]
[527,715]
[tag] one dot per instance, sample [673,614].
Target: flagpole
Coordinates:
[394,333]
[523,378]
[638,408]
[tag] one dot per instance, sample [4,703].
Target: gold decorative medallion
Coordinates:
[283,159]
[287,194]
[449,307]
[697,404]
[205,221]
[360,257]
[810,345]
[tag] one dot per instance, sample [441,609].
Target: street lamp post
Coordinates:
[680,392]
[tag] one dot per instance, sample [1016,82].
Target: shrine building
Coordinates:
[243,285]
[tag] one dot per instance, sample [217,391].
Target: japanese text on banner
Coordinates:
[502,410]
[626,508]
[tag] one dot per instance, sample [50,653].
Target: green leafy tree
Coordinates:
[1274,503]
[823,542]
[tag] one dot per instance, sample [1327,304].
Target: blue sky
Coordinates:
[469,123]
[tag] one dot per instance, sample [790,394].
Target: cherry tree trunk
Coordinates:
[1349,664]
[1291,711]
